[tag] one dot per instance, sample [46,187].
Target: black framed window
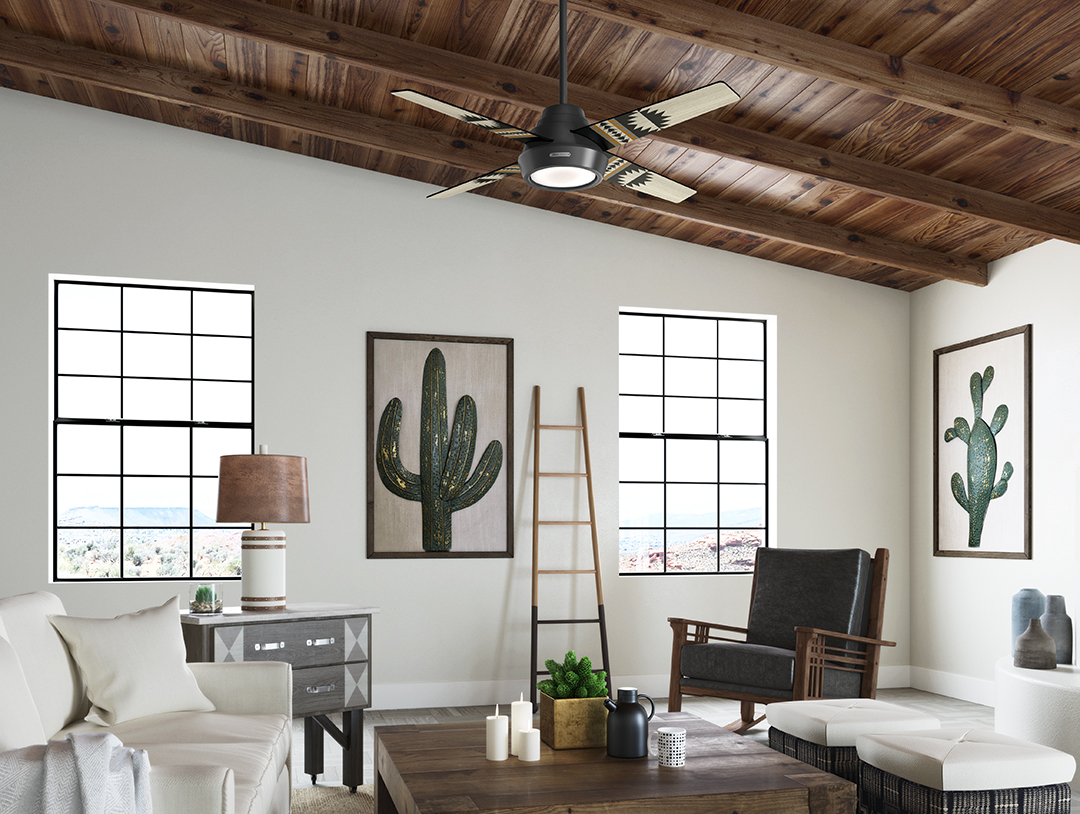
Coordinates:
[693,442]
[152,383]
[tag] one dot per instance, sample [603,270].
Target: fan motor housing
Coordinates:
[565,148]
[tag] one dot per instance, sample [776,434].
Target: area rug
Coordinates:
[332,800]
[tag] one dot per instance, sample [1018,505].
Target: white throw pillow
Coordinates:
[21,724]
[133,665]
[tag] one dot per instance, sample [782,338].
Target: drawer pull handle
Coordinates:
[320,642]
[324,688]
[271,646]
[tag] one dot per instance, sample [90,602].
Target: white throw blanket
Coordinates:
[86,773]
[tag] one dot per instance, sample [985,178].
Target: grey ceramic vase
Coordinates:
[1035,648]
[1058,624]
[1027,604]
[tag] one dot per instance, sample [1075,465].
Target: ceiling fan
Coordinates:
[565,153]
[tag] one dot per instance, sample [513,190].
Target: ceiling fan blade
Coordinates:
[647,120]
[469,116]
[479,181]
[638,178]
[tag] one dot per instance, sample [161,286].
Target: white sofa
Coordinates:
[235,759]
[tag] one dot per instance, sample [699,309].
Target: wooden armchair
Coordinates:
[814,631]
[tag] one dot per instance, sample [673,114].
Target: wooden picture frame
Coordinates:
[982,447]
[467,385]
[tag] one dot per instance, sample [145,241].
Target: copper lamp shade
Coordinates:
[262,489]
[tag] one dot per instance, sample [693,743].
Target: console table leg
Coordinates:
[313,748]
[352,757]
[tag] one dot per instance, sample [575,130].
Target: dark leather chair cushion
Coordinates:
[827,589]
[755,669]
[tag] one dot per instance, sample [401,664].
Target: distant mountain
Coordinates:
[175,517]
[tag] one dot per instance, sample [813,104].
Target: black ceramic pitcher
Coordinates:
[627,724]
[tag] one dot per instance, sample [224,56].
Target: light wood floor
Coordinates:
[950,711]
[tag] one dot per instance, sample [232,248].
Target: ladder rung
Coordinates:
[567,621]
[583,571]
[560,426]
[564,522]
[563,474]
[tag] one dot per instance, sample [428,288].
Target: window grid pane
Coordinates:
[705,408]
[150,400]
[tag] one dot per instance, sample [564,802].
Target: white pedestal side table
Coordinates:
[1042,706]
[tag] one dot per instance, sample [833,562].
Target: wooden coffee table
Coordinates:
[442,769]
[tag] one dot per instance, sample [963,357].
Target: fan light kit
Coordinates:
[565,153]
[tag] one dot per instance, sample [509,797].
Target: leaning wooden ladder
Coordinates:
[537,572]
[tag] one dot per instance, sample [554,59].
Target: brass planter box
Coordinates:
[573,723]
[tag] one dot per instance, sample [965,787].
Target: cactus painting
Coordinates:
[444,484]
[980,438]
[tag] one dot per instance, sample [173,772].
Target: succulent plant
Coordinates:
[205,600]
[204,593]
[573,679]
[981,442]
[443,485]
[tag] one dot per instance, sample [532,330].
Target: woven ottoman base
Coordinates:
[883,793]
[843,761]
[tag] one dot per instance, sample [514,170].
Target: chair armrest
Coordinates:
[832,634]
[676,623]
[176,789]
[246,686]
[682,636]
[814,655]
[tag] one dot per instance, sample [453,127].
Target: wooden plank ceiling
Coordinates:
[897,142]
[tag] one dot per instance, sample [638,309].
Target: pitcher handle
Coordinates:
[652,710]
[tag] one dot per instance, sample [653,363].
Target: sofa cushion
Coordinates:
[135,664]
[51,674]
[810,588]
[22,726]
[256,747]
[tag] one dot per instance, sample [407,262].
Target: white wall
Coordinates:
[335,252]
[960,608]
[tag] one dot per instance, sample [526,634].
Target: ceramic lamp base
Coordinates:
[262,563]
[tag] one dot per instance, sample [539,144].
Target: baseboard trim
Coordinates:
[484,693]
[892,678]
[966,688]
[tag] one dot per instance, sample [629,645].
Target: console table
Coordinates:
[329,647]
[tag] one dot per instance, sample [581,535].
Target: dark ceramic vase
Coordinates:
[1027,604]
[1058,624]
[1035,648]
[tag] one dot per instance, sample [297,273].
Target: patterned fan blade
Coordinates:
[461,114]
[647,120]
[479,181]
[634,176]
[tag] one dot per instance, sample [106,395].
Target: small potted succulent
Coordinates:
[205,598]
[572,713]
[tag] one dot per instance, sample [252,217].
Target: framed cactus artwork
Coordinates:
[982,447]
[440,413]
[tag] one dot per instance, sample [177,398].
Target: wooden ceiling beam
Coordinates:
[370,50]
[127,75]
[704,23]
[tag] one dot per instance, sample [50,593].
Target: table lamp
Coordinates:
[262,489]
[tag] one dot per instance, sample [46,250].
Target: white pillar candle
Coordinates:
[530,745]
[497,735]
[520,718]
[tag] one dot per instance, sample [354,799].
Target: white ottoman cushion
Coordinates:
[966,759]
[839,721]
